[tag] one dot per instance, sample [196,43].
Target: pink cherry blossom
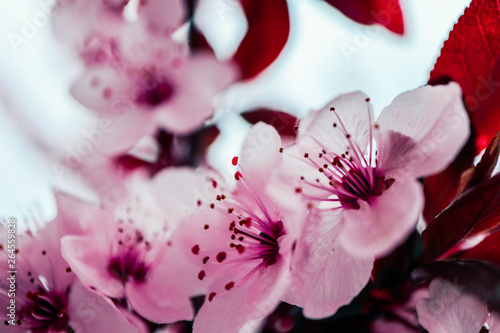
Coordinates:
[176,97]
[243,240]
[48,295]
[137,78]
[125,253]
[368,170]
[450,309]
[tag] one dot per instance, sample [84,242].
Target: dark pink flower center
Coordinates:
[349,176]
[260,240]
[127,262]
[155,92]
[128,266]
[253,236]
[45,311]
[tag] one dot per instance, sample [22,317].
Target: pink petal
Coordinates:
[163,305]
[251,302]
[164,297]
[162,17]
[179,189]
[121,124]
[353,111]
[381,225]
[123,131]
[101,87]
[260,155]
[493,323]
[325,276]
[197,80]
[89,312]
[436,121]
[86,19]
[89,262]
[158,302]
[448,309]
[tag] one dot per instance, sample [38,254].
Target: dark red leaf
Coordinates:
[268,29]
[385,12]
[470,57]
[486,166]
[391,272]
[197,41]
[479,278]
[487,250]
[475,211]
[441,189]
[174,150]
[282,122]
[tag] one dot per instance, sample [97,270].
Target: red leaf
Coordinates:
[487,250]
[475,211]
[441,189]
[282,122]
[268,29]
[470,57]
[197,41]
[385,12]
[486,166]
[175,150]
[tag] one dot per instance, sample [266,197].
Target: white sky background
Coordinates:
[312,70]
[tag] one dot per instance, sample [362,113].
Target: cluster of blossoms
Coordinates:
[307,230]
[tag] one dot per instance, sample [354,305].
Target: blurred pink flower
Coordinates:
[125,252]
[450,309]
[368,170]
[243,241]
[48,295]
[137,78]
[78,22]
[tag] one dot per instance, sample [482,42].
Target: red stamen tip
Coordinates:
[235,160]
[221,256]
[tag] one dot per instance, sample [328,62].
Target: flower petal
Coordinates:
[435,120]
[325,276]
[251,302]
[178,190]
[89,312]
[164,297]
[162,17]
[89,263]
[353,111]
[100,87]
[197,80]
[381,225]
[448,309]
[260,154]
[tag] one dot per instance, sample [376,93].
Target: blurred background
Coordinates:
[326,54]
